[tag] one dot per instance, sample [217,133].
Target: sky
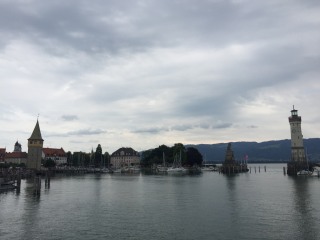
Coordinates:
[145,73]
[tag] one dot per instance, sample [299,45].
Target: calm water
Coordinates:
[265,205]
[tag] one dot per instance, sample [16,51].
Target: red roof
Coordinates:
[16,155]
[48,152]
[2,153]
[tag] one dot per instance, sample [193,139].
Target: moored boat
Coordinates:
[162,168]
[177,166]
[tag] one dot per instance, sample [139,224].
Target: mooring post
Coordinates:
[37,185]
[259,168]
[47,180]
[255,169]
[250,169]
[265,168]
[284,170]
[19,181]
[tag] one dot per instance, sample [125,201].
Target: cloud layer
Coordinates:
[146,73]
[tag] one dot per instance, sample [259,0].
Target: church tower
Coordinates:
[35,144]
[17,147]
[297,149]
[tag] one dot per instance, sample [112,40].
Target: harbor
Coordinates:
[258,205]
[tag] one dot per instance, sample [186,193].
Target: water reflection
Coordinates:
[303,217]
[30,211]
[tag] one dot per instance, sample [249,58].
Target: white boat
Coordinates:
[118,170]
[304,173]
[6,185]
[163,167]
[104,170]
[177,166]
[316,172]
[208,167]
[134,169]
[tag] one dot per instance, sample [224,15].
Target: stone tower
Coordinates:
[298,157]
[229,159]
[297,149]
[35,144]
[230,165]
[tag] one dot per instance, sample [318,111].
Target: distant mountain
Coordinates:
[270,151]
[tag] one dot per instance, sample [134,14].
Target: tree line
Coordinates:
[95,159]
[190,156]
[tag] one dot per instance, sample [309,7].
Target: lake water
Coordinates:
[265,205]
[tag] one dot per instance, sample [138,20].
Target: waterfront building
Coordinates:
[17,156]
[35,145]
[298,157]
[2,154]
[58,155]
[125,157]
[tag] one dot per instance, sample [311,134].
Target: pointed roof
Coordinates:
[36,134]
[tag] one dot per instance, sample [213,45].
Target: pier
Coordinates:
[230,166]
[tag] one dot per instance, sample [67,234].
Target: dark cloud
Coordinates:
[69,117]
[158,66]
[115,26]
[153,130]
[84,132]
[81,132]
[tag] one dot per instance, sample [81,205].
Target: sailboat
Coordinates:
[207,166]
[305,172]
[163,167]
[177,166]
[316,172]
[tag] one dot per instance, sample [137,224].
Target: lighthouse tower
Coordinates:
[35,144]
[298,157]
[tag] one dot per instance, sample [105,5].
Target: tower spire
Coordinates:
[35,144]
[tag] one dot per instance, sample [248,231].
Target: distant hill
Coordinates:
[270,151]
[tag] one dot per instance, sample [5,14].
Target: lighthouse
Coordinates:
[298,157]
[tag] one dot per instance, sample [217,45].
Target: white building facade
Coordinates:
[124,157]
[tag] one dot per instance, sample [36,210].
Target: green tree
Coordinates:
[194,157]
[98,160]
[69,158]
[155,156]
[106,159]
[178,149]
[49,163]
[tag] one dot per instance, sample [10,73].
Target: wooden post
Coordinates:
[250,169]
[255,169]
[47,180]
[19,182]
[259,168]
[284,170]
[37,185]
[265,168]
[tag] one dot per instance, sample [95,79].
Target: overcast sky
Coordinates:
[143,73]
